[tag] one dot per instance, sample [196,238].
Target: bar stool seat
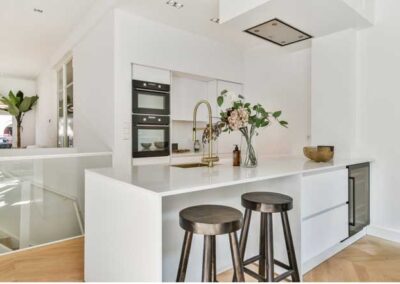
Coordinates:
[210,221]
[267,202]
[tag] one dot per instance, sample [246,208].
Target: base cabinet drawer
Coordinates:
[323,231]
[323,191]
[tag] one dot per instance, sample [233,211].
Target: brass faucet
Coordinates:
[211,158]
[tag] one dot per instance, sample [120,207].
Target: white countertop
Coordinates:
[165,180]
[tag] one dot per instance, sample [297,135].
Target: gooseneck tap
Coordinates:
[211,158]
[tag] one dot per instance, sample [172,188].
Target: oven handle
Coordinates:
[151,125]
[151,91]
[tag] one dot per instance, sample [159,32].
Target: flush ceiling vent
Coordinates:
[278,32]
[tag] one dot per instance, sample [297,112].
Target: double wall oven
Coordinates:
[150,119]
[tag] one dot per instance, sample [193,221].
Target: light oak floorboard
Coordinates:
[62,261]
[370,259]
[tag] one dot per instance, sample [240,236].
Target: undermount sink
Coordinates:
[190,165]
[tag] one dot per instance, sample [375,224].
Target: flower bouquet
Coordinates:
[246,118]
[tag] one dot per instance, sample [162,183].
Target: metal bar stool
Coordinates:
[210,221]
[268,203]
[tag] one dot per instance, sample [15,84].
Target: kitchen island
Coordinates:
[132,225]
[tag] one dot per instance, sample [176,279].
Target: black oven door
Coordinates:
[150,141]
[147,101]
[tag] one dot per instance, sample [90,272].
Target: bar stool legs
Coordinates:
[213,260]
[236,257]
[207,255]
[290,247]
[269,247]
[266,252]
[187,243]
[209,272]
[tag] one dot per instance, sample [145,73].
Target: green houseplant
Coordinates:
[17,105]
[247,118]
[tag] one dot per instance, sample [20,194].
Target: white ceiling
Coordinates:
[27,39]
[193,17]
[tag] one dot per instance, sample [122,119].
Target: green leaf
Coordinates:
[240,97]
[224,92]
[284,123]
[246,105]
[277,114]
[25,104]
[11,108]
[220,100]
[20,96]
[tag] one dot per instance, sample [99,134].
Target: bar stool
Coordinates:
[210,221]
[268,203]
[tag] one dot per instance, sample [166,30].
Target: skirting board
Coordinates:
[384,233]
[315,261]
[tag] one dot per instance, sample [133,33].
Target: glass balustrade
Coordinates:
[42,199]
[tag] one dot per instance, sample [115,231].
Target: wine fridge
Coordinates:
[359,197]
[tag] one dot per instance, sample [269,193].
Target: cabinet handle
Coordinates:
[353,187]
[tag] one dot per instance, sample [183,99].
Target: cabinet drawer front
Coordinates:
[323,231]
[324,191]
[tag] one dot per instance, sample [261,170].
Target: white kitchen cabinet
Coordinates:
[325,221]
[324,231]
[324,191]
[229,86]
[151,74]
[227,141]
[185,93]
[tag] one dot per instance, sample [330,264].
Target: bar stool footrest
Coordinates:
[255,275]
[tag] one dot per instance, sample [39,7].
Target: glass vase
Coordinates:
[249,155]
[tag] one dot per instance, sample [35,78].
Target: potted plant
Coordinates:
[17,105]
[246,118]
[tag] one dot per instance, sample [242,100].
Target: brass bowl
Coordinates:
[320,153]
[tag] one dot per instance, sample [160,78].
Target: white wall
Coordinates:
[141,41]
[379,111]
[28,87]
[279,79]
[94,88]
[46,114]
[333,89]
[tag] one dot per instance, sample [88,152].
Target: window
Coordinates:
[65,100]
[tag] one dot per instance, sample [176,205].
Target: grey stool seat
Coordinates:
[268,203]
[210,221]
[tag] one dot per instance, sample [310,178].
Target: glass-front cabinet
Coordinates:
[65,95]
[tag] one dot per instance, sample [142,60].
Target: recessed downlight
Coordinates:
[215,20]
[175,4]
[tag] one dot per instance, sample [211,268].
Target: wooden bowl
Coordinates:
[320,153]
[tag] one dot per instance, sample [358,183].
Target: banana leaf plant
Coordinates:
[17,105]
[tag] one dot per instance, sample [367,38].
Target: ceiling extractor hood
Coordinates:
[278,32]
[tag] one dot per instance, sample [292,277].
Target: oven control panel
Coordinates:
[151,119]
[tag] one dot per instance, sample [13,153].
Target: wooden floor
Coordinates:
[368,260]
[57,262]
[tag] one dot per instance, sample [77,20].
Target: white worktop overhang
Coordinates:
[166,180]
